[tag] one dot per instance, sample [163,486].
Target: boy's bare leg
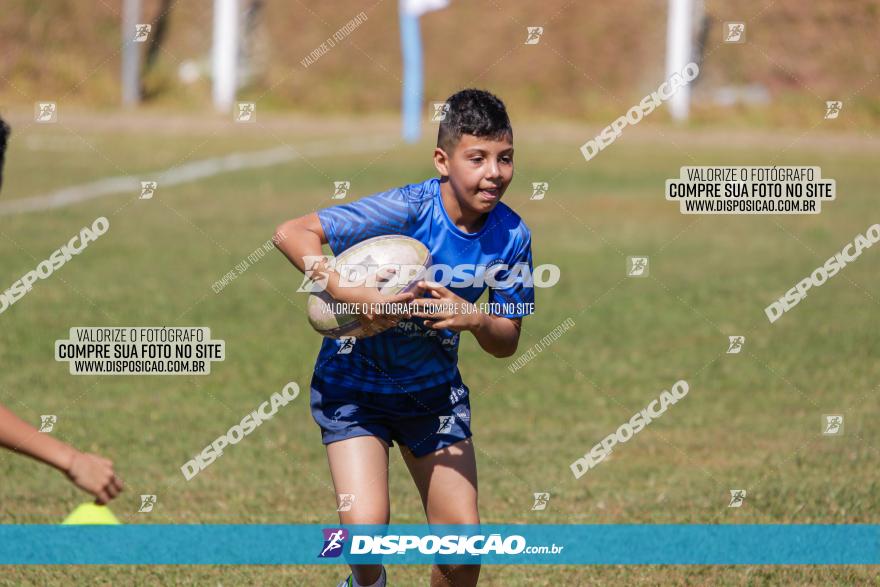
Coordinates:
[447,482]
[359,466]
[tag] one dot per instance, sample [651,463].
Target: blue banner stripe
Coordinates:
[780,544]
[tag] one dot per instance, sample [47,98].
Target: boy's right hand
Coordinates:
[95,475]
[367,297]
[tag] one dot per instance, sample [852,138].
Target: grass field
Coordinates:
[750,421]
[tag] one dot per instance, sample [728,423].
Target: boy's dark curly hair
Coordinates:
[473,112]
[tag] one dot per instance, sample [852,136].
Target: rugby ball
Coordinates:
[404,252]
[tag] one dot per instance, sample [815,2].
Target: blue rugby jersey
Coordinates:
[410,356]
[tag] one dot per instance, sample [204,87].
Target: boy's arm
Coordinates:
[301,238]
[497,335]
[89,472]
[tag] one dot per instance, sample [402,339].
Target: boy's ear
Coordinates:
[441,162]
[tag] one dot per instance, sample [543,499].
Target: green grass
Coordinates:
[750,420]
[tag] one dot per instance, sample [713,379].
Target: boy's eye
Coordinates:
[476,159]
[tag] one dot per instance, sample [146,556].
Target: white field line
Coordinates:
[189,172]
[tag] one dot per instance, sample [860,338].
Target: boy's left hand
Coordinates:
[445,309]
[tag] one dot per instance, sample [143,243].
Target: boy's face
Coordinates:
[479,170]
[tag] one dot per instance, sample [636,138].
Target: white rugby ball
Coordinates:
[404,252]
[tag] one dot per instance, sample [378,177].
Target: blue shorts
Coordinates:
[424,421]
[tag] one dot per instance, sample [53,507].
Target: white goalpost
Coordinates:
[679,52]
[224,54]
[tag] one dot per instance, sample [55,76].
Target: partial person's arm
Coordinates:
[91,473]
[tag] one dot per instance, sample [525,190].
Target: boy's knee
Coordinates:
[464,512]
[455,518]
[365,516]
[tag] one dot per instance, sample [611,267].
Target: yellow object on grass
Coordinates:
[90,513]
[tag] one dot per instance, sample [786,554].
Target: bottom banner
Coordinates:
[493,544]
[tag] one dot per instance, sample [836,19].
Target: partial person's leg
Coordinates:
[447,482]
[359,466]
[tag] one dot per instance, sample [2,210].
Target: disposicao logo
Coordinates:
[334,539]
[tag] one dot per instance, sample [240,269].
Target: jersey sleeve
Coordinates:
[380,214]
[514,296]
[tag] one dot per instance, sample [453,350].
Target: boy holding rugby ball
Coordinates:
[403,384]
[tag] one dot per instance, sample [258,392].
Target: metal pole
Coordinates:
[131,55]
[411,45]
